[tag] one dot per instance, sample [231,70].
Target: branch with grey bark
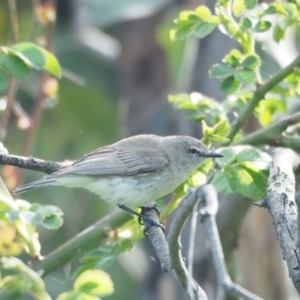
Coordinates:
[32,163]
[208,197]
[280,201]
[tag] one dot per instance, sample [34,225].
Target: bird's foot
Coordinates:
[143,219]
[148,221]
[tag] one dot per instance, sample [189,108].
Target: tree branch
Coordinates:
[247,111]
[84,241]
[272,134]
[208,196]
[32,163]
[193,290]
[280,201]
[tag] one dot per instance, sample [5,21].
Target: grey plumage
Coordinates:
[133,171]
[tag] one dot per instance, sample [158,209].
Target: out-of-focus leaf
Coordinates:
[230,85]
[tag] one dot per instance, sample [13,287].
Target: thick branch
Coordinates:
[247,111]
[85,241]
[280,201]
[272,134]
[32,163]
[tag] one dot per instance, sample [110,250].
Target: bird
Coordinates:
[132,172]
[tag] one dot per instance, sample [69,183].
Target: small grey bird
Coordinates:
[134,171]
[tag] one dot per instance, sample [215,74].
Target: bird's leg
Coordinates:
[141,215]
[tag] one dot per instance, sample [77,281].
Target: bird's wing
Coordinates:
[112,161]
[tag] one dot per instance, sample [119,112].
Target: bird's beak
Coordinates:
[214,154]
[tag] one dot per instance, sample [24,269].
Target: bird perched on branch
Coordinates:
[132,172]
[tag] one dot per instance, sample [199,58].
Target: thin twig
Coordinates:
[11,94]
[184,210]
[247,111]
[14,20]
[38,108]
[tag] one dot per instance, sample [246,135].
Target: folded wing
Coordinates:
[112,161]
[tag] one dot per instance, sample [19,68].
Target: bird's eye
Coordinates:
[193,151]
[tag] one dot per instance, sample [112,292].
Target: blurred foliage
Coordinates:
[81,114]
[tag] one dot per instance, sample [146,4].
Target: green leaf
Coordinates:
[238,7]
[232,61]
[278,33]
[39,58]
[31,218]
[230,85]
[262,26]
[4,81]
[181,101]
[254,158]
[226,181]
[275,8]
[246,23]
[268,108]
[32,55]
[182,31]
[221,71]
[222,128]
[250,4]
[252,183]
[251,61]
[14,66]
[94,282]
[52,222]
[203,13]
[229,157]
[204,29]
[245,76]
[49,210]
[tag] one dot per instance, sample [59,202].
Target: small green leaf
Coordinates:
[49,210]
[252,183]
[229,157]
[245,76]
[52,222]
[262,26]
[94,282]
[222,128]
[221,71]
[34,54]
[275,8]
[31,55]
[251,61]
[31,218]
[181,31]
[204,29]
[238,7]
[226,181]
[254,158]
[230,85]
[14,66]
[250,4]
[246,23]
[203,13]
[278,33]
[4,81]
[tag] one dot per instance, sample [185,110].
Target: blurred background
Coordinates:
[119,66]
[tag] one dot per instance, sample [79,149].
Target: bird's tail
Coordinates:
[48,180]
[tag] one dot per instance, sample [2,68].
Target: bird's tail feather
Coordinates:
[36,184]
